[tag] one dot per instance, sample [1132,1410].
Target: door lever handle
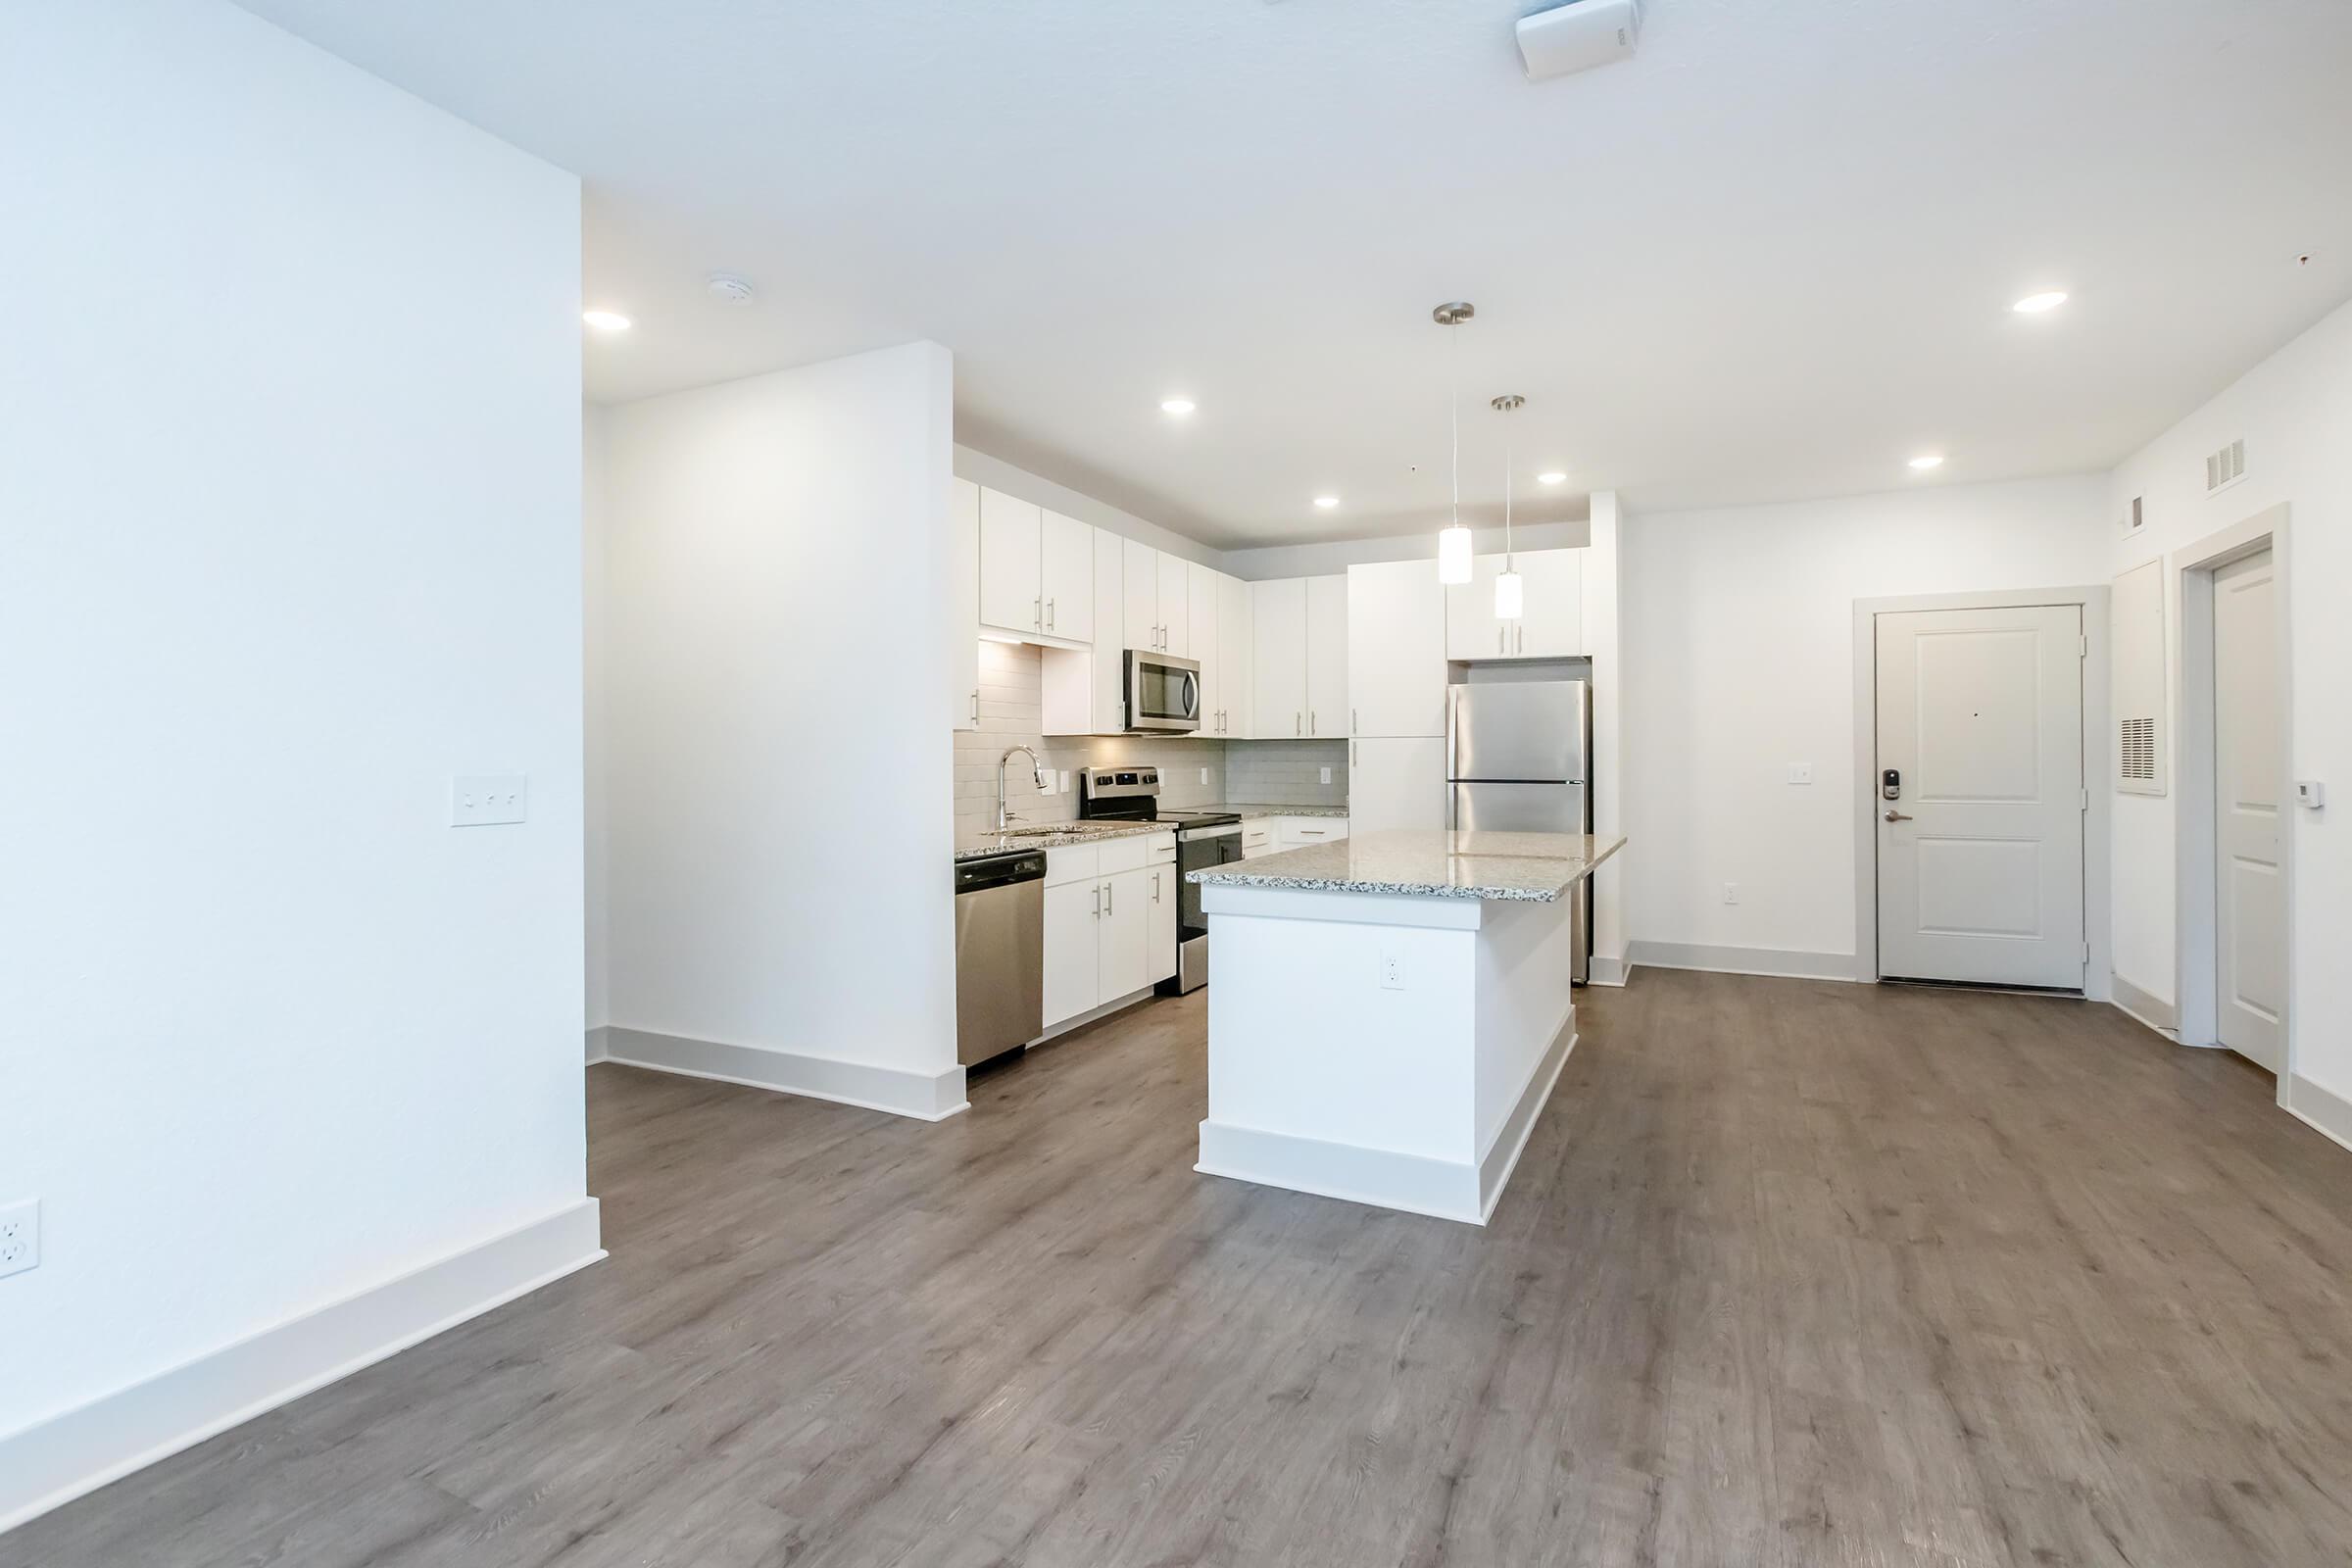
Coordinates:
[1896,816]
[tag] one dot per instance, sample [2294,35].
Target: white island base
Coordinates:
[1387,1048]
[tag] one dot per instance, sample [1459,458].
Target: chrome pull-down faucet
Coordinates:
[1037,771]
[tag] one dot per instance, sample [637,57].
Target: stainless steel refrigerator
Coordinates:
[1517,756]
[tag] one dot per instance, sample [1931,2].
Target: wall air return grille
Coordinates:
[2225,467]
[2136,752]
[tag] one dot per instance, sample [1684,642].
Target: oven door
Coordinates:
[1163,692]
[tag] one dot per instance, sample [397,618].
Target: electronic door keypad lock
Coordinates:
[1890,785]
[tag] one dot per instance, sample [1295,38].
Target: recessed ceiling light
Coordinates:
[1175,405]
[1928,459]
[1327,502]
[1555,476]
[606,321]
[2036,303]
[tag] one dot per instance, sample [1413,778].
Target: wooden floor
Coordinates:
[1792,1273]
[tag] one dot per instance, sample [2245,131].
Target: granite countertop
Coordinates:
[1272,811]
[1053,836]
[1430,864]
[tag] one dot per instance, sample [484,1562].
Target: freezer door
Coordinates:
[1517,809]
[1520,730]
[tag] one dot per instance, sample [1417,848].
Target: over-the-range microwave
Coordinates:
[1163,692]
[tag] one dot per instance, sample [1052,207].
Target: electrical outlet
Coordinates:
[1204,775]
[1392,972]
[1730,893]
[1326,775]
[1801,772]
[488,800]
[20,1237]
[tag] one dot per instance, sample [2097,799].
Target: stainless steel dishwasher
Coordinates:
[999,954]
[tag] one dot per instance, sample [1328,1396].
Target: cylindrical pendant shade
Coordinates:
[1510,596]
[1453,554]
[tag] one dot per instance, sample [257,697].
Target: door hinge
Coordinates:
[2084,640]
[2085,952]
[2086,801]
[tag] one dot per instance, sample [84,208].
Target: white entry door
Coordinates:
[2250,920]
[1980,848]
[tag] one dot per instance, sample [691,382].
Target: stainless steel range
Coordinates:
[1203,838]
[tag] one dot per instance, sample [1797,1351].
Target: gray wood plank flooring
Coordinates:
[1792,1273]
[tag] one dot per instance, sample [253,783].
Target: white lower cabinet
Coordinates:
[1257,838]
[1297,832]
[1103,929]
[1396,783]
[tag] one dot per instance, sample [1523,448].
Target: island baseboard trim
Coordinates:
[68,1455]
[1778,962]
[1385,1178]
[1511,1139]
[927,1096]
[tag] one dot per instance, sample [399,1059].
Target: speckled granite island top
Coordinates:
[1053,836]
[1526,867]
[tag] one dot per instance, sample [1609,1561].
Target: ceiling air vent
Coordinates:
[2225,467]
[2136,752]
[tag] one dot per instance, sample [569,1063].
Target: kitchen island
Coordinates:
[1390,1012]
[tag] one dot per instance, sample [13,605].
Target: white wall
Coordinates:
[1738,632]
[779,786]
[290,468]
[2294,413]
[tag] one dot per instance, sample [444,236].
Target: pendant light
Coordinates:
[1510,593]
[1453,540]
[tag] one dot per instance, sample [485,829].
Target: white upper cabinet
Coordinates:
[1011,563]
[1279,609]
[1553,625]
[1175,601]
[1081,689]
[1066,578]
[963,602]
[1142,619]
[1237,678]
[1200,639]
[1327,656]
[1397,649]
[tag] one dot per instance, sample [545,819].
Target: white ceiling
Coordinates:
[1769,258]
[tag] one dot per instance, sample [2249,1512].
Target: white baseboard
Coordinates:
[2320,1107]
[60,1458]
[1603,970]
[1443,1188]
[2159,1015]
[600,1044]
[1511,1139]
[926,1096]
[1778,962]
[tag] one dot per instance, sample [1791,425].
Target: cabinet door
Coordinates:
[1122,956]
[1396,783]
[1009,541]
[1553,625]
[1160,926]
[1066,578]
[1074,926]
[963,603]
[1108,660]
[1395,649]
[1142,619]
[1471,629]
[1236,657]
[1200,640]
[1175,599]
[1279,608]
[1327,656]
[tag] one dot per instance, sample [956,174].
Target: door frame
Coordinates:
[2098,979]
[2197,919]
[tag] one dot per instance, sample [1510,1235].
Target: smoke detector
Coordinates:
[1578,36]
[728,289]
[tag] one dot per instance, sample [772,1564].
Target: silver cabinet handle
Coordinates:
[1048,615]
[1354,723]
[1310,722]
[1295,727]
[1503,639]
[1110,897]
[1523,639]
[1097,901]
[1155,887]
[975,704]
[1896,816]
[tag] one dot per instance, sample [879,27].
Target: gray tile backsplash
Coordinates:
[1009,708]
[1286,772]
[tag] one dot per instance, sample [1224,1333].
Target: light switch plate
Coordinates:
[1801,772]
[487,799]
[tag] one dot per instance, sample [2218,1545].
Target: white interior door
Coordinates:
[1981,850]
[2250,893]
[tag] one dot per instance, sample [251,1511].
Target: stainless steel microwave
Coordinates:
[1163,692]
